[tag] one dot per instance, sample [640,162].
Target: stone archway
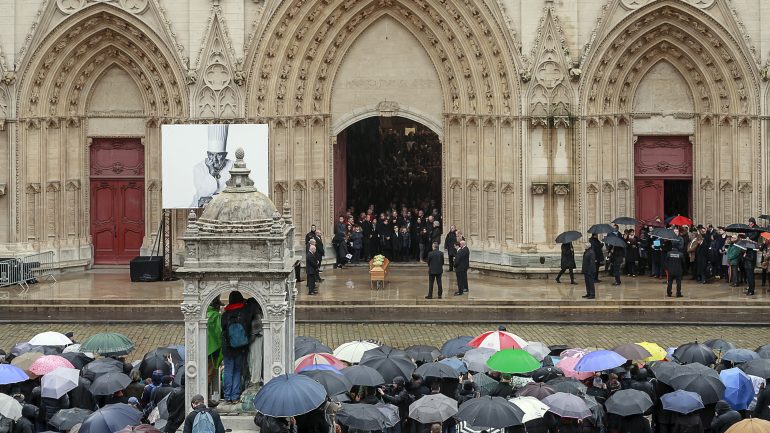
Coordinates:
[55,111]
[722,81]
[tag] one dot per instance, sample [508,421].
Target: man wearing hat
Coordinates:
[589,270]
[211,174]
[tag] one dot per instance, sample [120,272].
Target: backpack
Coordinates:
[6,425]
[236,334]
[203,423]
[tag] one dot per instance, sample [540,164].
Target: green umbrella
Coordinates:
[513,361]
[108,343]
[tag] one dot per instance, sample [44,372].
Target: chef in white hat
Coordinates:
[211,174]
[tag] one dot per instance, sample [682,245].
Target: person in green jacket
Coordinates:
[214,343]
[734,254]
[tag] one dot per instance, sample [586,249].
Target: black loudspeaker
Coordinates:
[146,268]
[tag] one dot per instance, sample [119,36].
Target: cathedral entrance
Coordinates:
[387,161]
[663,178]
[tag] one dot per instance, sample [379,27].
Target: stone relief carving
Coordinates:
[636,4]
[539,188]
[218,95]
[561,188]
[550,96]
[706,184]
[69,7]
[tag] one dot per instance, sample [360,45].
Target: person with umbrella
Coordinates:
[567,262]
[201,414]
[26,424]
[617,255]
[399,397]
[590,268]
[726,417]
[734,253]
[632,253]
[674,264]
[596,245]
[762,408]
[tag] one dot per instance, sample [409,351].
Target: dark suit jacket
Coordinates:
[311,264]
[435,262]
[463,259]
[589,262]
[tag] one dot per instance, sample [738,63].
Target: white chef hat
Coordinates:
[217,138]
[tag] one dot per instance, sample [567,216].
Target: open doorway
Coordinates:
[677,197]
[388,162]
[663,168]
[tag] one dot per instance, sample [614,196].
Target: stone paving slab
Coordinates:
[149,336]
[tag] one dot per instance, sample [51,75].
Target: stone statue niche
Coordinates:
[240,242]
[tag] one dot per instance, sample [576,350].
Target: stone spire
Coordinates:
[239,175]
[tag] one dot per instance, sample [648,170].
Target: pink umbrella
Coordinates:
[318,359]
[567,365]
[498,340]
[573,353]
[48,363]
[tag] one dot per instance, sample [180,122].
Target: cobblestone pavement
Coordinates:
[147,337]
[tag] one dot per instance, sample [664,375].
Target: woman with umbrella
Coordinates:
[567,262]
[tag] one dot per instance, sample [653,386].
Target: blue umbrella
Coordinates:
[739,390]
[455,363]
[11,374]
[737,356]
[289,395]
[456,346]
[599,360]
[682,401]
[111,418]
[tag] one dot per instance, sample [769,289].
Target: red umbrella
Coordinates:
[498,340]
[48,363]
[680,221]
[318,358]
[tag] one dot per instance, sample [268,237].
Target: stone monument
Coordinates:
[240,242]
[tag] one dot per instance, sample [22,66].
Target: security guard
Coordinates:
[674,265]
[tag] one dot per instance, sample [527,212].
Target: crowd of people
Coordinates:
[706,254]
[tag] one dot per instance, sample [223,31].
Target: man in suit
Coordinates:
[589,270]
[435,269]
[311,268]
[462,263]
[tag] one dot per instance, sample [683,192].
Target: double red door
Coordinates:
[117,199]
[659,160]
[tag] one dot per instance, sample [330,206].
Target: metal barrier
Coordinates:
[27,270]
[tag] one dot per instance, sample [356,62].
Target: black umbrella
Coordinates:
[109,383]
[614,241]
[65,419]
[77,359]
[365,417]
[757,367]
[601,228]
[632,351]
[666,234]
[694,352]
[111,418]
[710,388]
[664,371]
[456,346]
[23,348]
[763,351]
[311,347]
[437,370]
[628,402]
[363,375]
[624,221]
[557,349]
[743,228]
[156,360]
[101,366]
[719,345]
[544,374]
[390,362]
[423,353]
[535,389]
[747,244]
[490,413]
[568,385]
[304,339]
[567,237]
[764,217]
[334,382]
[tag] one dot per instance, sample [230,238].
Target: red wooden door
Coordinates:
[649,200]
[117,199]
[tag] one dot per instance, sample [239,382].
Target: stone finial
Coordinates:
[192,219]
[239,175]
[277,226]
[286,213]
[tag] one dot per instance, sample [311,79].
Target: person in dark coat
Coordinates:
[689,423]
[313,421]
[269,424]
[462,263]
[357,244]
[726,417]
[762,410]
[567,262]
[635,424]
[597,246]
[589,269]
[749,263]
[340,226]
[398,396]
[26,424]
[134,389]
[435,269]
[50,406]
[674,266]
[236,315]
[81,397]
[311,270]
[632,253]
[198,405]
[166,386]
[616,261]
[450,245]
[703,256]
[466,391]
[176,409]
[340,249]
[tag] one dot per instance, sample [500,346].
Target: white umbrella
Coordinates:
[59,382]
[353,351]
[75,348]
[9,407]
[537,349]
[532,407]
[50,338]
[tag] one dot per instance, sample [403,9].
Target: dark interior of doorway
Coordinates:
[392,160]
[677,197]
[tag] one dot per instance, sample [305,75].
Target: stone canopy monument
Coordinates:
[240,242]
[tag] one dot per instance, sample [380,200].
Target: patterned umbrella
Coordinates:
[498,340]
[108,343]
[318,359]
[48,363]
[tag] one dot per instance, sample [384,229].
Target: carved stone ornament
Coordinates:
[277,311]
[561,188]
[725,186]
[607,187]
[636,4]
[3,189]
[623,185]
[191,310]
[592,188]
[388,108]
[744,187]
[539,188]
[706,184]
[69,7]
